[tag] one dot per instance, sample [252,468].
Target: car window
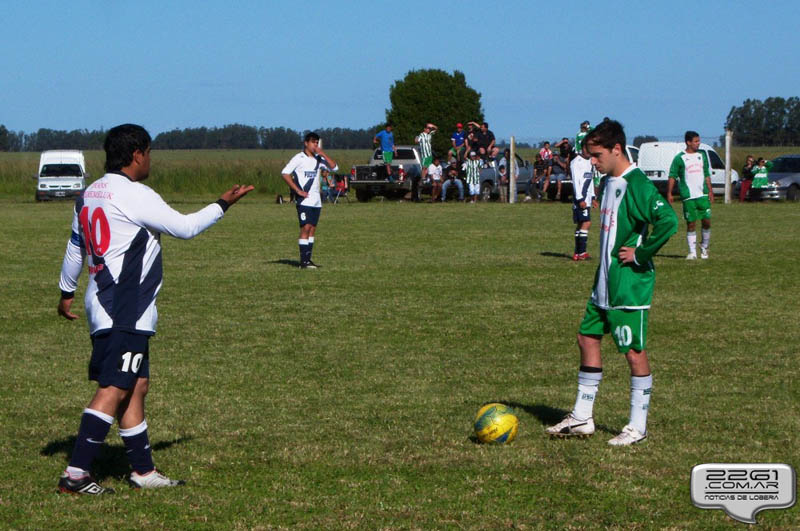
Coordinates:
[61,170]
[405,154]
[634,154]
[794,165]
[716,162]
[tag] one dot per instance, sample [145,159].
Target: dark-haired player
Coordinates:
[691,169]
[117,225]
[302,174]
[623,286]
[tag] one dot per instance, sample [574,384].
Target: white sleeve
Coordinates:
[73,259]
[152,212]
[290,166]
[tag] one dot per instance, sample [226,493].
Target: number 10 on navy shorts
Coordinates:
[307,215]
[119,358]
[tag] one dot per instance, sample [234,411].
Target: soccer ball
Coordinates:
[496,423]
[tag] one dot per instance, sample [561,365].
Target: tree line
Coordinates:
[772,122]
[233,136]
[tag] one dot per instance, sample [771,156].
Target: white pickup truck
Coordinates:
[62,174]
[655,158]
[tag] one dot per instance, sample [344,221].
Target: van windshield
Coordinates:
[61,170]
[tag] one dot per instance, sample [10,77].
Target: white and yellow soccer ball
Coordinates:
[496,423]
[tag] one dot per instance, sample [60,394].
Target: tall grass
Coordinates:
[203,172]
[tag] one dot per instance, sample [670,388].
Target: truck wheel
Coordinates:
[363,195]
[793,193]
[486,191]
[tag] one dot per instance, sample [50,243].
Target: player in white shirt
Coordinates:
[582,173]
[302,174]
[116,227]
[435,173]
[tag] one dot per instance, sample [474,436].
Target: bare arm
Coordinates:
[670,184]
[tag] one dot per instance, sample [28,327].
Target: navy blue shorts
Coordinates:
[307,215]
[119,358]
[579,215]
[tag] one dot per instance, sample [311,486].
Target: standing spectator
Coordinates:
[623,285]
[426,152]
[302,174]
[471,140]
[584,130]
[691,169]
[458,140]
[502,183]
[547,159]
[760,176]
[472,168]
[435,174]
[386,140]
[747,177]
[452,180]
[122,244]
[582,173]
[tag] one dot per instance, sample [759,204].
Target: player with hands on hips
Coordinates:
[116,228]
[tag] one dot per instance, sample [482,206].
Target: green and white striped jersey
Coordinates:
[473,169]
[425,148]
[629,204]
[691,171]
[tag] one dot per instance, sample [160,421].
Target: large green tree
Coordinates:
[432,96]
[773,122]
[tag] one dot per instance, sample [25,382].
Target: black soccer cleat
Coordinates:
[309,265]
[85,485]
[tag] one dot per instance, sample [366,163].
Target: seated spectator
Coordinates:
[452,180]
[326,184]
[341,185]
[485,143]
[565,154]
[538,177]
[458,140]
[558,174]
[547,159]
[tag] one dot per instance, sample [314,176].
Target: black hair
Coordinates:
[122,142]
[607,134]
[311,135]
[690,135]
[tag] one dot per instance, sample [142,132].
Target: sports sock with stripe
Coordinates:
[641,386]
[588,385]
[91,434]
[137,446]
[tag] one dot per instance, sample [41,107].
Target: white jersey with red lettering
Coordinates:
[117,224]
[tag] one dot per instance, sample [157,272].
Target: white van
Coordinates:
[655,158]
[62,174]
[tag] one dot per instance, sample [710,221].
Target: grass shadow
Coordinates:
[548,416]
[550,254]
[286,261]
[111,461]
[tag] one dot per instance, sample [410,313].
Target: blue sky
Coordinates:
[541,68]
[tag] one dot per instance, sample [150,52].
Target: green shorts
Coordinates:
[388,157]
[697,208]
[427,161]
[627,327]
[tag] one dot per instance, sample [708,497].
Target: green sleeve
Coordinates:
[706,165]
[768,165]
[654,210]
[676,169]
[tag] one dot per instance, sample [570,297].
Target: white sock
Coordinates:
[76,473]
[588,385]
[640,401]
[706,236]
[691,239]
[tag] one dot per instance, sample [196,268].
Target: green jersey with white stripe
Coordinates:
[629,204]
[691,170]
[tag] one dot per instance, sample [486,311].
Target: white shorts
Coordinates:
[475,189]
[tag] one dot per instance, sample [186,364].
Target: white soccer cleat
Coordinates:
[153,480]
[704,254]
[691,256]
[629,436]
[572,427]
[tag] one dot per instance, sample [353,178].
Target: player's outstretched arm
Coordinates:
[236,193]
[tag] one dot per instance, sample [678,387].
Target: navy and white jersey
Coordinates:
[117,224]
[305,172]
[582,179]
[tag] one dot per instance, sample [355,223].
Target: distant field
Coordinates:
[343,398]
[193,172]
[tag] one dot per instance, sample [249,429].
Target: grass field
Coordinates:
[343,397]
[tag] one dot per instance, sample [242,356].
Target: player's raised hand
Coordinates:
[64,306]
[236,193]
